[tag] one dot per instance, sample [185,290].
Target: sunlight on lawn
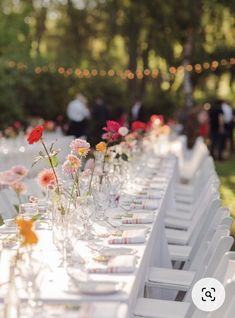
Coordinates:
[226,172]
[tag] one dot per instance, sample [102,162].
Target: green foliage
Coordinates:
[111,34]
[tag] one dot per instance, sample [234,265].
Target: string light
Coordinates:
[125,74]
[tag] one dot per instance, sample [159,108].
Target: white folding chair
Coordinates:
[182,279]
[155,308]
[185,237]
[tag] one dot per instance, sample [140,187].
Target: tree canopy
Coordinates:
[43,42]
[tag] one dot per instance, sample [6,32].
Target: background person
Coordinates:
[78,114]
[137,110]
[216,116]
[100,115]
[228,126]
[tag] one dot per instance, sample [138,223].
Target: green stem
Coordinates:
[78,184]
[92,174]
[71,196]
[51,163]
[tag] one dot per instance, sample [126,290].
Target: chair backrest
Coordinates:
[191,166]
[227,310]
[7,201]
[206,169]
[219,245]
[200,245]
[225,271]
[204,213]
[223,245]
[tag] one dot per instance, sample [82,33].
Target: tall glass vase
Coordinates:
[11,300]
[60,222]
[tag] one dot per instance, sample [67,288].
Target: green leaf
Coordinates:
[124,157]
[37,217]
[1,220]
[54,161]
[16,206]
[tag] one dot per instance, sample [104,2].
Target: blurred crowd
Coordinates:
[215,123]
[88,121]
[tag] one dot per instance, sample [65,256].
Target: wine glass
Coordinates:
[86,209]
[101,195]
[29,268]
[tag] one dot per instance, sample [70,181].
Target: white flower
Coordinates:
[123,131]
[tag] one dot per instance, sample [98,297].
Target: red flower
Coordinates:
[111,129]
[157,119]
[138,125]
[35,135]
[112,126]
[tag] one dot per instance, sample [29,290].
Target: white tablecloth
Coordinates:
[154,252]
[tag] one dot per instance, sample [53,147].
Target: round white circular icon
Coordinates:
[208,294]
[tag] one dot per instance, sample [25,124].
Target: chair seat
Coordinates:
[189,199]
[154,308]
[176,223]
[185,189]
[177,236]
[180,214]
[181,206]
[171,278]
[180,252]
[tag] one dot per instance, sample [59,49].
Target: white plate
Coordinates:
[99,287]
[115,251]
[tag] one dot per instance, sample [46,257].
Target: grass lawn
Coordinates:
[226,172]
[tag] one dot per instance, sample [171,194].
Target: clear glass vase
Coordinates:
[61,212]
[85,211]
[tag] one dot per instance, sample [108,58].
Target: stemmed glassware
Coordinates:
[85,210]
[101,195]
[29,268]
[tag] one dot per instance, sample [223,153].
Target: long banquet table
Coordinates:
[55,288]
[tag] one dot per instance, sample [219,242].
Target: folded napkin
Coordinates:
[156,185]
[144,204]
[149,194]
[117,264]
[129,237]
[161,178]
[138,218]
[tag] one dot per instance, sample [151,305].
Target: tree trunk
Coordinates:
[145,59]
[132,66]
[40,28]
[187,83]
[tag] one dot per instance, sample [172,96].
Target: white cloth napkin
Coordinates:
[129,237]
[143,204]
[117,264]
[138,218]
[156,185]
[149,194]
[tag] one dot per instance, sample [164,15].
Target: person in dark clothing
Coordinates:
[137,110]
[79,115]
[100,115]
[228,126]
[217,130]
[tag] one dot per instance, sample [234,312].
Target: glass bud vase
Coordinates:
[85,212]
[60,219]
[11,300]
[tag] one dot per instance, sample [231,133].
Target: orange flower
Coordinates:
[101,146]
[83,152]
[25,228]
[46,177]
